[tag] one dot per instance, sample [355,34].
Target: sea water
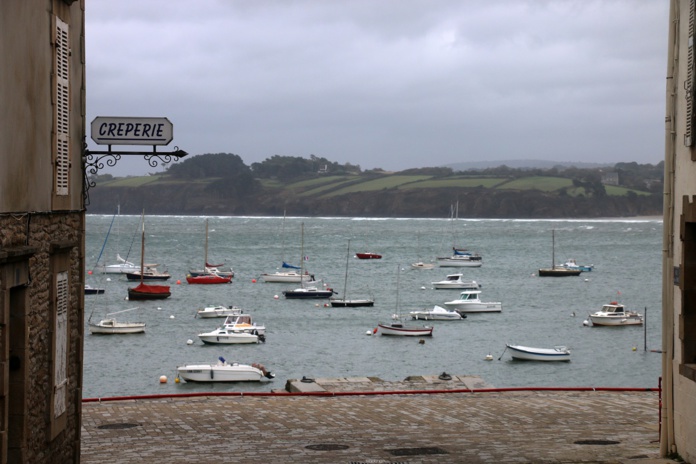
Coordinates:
[307,338]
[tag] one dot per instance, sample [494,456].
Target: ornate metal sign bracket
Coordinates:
[96,160]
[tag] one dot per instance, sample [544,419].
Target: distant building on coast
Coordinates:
[610,177]
[678,427]
[42,229]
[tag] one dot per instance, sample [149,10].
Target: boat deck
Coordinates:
[443,427]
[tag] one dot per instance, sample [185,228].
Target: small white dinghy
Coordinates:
[437,313]
[527,353]
[224,372]
[218,311]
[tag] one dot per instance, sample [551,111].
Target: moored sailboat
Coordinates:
[346,302]
[554,270]
[144,291]
[307,290]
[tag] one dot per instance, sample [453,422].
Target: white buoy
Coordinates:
[171,317]
[587,280]
[163,379]
[189,342]
[422,288]
[369,332]
[275,297]
[586,323]
[108,279]
[159,308]
[489,357]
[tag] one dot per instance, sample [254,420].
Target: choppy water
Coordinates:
[306,339]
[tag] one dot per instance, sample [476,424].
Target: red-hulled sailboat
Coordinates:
[144,291]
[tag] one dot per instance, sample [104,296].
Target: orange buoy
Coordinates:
[253,281]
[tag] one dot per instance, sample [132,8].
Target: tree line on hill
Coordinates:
[224,184]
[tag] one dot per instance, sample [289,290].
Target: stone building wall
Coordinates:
[43,233]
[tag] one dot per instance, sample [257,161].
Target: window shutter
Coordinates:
[60,377]
[62,152]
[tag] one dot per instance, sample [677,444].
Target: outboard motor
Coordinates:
[262,338]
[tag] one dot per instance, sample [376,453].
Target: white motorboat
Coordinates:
[111,326]
[615,314]
[437,313]
[526,353]
[218,311]
[223,371]
[469,302]
[456,281]
[228,336]
[235,330]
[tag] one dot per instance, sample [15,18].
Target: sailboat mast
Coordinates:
[142,249]
[397,288]
[302,256]
[205,264]
[553,248]
[345,280]
[282,240]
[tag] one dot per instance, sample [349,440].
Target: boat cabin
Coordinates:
[470,295]
[613,307]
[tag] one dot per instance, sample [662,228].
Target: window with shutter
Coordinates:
[62,108]
[60,377]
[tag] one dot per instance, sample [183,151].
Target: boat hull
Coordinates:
[220,373]
[525,353]
[307,294]
[615,321]
[456,286]
[117,269]
[229,339]
[457,261]
[355,303]
[436,317]
[218,311]
[135,276]
[404,331]
[559,272]
[462,307]
[149,292]
[208,279]
[117,328]
[287,277]
[93,291]
[368,256]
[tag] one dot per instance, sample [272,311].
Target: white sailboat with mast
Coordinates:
[310,289]
[290,273]
[461,257]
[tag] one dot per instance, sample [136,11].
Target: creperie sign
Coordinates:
[132,131]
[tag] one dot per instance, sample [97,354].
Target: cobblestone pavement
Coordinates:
[514,427]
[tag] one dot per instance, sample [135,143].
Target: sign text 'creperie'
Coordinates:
[132,131]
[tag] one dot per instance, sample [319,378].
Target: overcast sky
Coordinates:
[393,84]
